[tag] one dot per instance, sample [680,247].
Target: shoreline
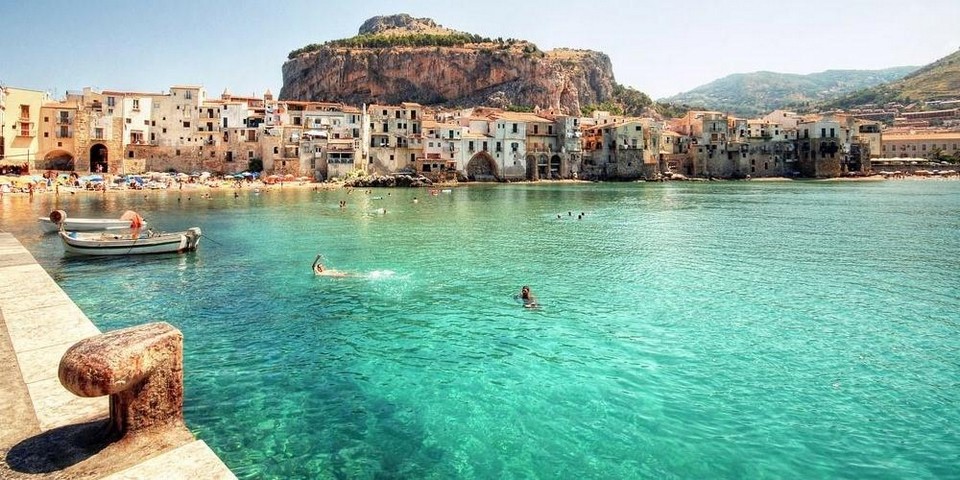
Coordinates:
[331,186]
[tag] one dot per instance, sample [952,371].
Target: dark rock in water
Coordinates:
[397,180]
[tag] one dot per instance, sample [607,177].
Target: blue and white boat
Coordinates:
[107,243]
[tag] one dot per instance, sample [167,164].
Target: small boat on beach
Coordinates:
[107,243]
[58,219]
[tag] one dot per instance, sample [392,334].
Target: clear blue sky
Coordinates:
[658,47]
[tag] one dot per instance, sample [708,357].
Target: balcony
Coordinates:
[63,121]
[26,129]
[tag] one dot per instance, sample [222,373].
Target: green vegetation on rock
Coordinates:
[625,101]
[456,39]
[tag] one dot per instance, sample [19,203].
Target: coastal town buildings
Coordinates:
[3,120]
[115,132]
[21,120]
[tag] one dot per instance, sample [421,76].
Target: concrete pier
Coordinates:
[47,431]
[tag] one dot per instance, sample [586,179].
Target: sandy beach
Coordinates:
[209,187]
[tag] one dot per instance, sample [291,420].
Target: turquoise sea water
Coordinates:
[687,330]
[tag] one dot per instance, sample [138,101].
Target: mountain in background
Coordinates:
[756,93]
[399,58]
[939,80]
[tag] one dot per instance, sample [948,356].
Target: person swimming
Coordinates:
[319,269]
[529,301]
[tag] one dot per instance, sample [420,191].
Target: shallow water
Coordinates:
[687,330]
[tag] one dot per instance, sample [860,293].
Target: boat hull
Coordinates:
[119,244]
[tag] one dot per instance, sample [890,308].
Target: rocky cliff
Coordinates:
[396,60]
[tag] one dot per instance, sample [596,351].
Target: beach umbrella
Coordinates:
[95,178]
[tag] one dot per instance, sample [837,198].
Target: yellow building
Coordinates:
[19,142]
[920,145]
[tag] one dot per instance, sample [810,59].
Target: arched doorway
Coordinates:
[543,168]
[556,167]
[482,168]
[531,167]
[58,160]
[98,158]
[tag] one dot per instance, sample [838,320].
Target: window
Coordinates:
[127,120]
[514,128]
[515,146]
[98,133]
[146,123]
[188,95]
[499,149]
[46,119]
[24,111]
[637,128]
[111,101]
[178,152]
[470,145]
[549,129]
[536,129]
[64,131]
[276,150]
[136,104]
[186,124]
[46,134]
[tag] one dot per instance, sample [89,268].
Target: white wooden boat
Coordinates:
[58,219]
[108,243]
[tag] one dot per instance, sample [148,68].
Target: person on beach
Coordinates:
[529,301]
[319,269]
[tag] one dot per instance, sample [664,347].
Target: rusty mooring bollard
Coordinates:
[141,368]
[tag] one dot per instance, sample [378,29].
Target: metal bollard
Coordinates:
[141,368]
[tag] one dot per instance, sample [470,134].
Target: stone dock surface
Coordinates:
[48,432]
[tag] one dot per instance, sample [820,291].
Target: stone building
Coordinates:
[395,137]
[821,147]
[57,130]
[626,149]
